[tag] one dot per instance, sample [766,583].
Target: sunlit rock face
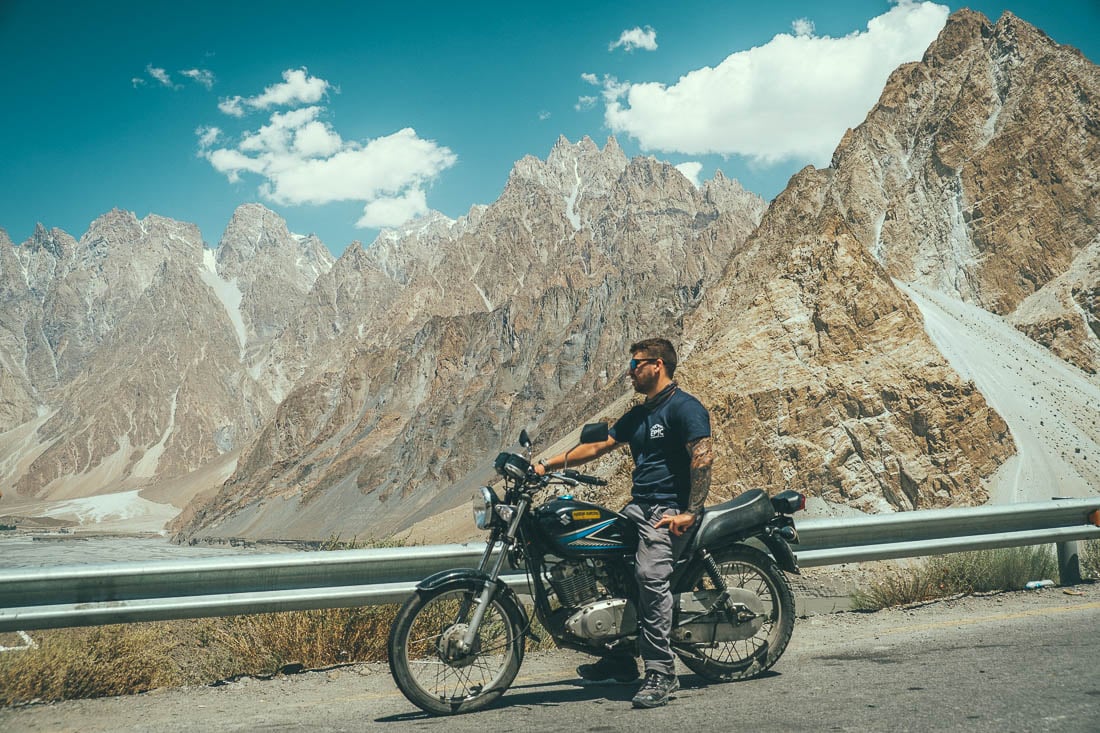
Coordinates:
[302,398]
[974,176]
[135,348]
[461,332]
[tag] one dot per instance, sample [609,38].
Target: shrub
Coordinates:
[965,572]
[1090,559]
[93,662]
[265,643]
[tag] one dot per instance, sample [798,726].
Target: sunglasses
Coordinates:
[635,363]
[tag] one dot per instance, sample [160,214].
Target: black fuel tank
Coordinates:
[575,529]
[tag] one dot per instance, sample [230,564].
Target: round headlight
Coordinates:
[483,507]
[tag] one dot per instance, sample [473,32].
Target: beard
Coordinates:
[643,384]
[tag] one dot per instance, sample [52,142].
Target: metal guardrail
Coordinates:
[88,595]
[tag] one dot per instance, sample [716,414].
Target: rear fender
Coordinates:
[781,551]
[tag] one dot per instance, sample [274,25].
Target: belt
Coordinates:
[649,504]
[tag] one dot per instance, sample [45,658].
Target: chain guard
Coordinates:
[701,623]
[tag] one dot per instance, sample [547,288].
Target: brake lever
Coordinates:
[565,478]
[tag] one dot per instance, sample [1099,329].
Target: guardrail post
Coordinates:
[1069,566]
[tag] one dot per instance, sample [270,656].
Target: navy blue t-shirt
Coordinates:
[658,440]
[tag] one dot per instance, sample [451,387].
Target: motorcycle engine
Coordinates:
[592,613]
[574,582]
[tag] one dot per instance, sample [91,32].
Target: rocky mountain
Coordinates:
[516,315]
[973,179]
[361,396]
[139,312]
[975,175]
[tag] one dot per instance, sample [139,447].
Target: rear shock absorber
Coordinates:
[716,577]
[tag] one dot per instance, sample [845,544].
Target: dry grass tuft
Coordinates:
[93,662]
[965,572]
[1090,559]
[266,643]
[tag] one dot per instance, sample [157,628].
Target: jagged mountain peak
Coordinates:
[153,237]
[257,237]
[727,194]
[941,180]
[586,154]
[55,241]
[252,228]
[569,163]
[432,223]
[563,148]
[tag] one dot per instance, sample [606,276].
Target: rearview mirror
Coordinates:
[524,439]
[595,432]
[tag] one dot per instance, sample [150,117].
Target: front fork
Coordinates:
[490,588]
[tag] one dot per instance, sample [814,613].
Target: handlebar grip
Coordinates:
[584,478]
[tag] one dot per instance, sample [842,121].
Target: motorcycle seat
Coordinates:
[748,511]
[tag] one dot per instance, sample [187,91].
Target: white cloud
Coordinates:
[304,161]
[207,136]
[585,103]
[297,87]
[137,81]
[636,38]
[232,106]
[159,74]
[201,76]
[315,140]
[691,171]
[803,27]
[791,98]
[591,79]
[392,211]
[544,115]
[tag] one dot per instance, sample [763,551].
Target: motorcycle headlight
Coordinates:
[483,507]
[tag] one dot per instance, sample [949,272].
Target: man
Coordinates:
[669,438]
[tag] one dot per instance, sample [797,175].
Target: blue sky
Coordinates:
[347,116]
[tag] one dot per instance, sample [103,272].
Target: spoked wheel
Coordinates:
[427,658]
[756,582]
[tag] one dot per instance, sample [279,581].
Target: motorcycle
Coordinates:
[458,642]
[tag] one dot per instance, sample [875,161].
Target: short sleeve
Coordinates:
[625,427]
[694,420]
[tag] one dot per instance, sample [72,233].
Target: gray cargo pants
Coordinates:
[658,550]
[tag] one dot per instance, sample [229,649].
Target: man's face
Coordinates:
[644,376]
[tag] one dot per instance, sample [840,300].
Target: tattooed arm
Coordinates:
[702,456]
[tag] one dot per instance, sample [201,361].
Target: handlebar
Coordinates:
[571,477]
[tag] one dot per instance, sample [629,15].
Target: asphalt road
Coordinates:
[1026,661]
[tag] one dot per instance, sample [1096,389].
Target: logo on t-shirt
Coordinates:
[657,430]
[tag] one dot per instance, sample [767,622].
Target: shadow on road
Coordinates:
[552,694]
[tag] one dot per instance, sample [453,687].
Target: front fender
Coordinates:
[475,580]
[443,577]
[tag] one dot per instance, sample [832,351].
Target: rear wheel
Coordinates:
[428,663]
[754,580]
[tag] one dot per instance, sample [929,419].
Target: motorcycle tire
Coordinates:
[745,570]
[428,667]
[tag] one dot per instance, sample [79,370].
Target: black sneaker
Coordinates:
[622,670]
[656,690]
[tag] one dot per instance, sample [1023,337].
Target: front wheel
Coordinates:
[427,661]
[754,579]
